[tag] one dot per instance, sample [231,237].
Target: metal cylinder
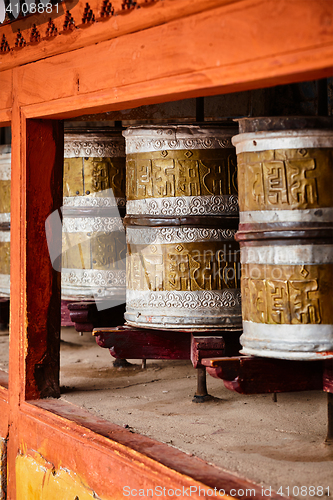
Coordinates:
[285,173]
[182,214]
[5,169]
[94,246]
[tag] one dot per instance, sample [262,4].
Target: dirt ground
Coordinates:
[276,444]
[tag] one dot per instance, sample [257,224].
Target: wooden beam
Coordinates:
[108,457]
[235,47]
[122,23]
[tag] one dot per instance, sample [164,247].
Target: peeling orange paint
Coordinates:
[37,479]
[3,468]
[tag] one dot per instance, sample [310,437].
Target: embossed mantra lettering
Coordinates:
[174,268]
[285,294]
[182,176]
[285,179]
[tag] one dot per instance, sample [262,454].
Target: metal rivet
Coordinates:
[77,192]
[87,192]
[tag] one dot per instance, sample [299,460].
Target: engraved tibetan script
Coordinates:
[175,268]
[173,176]
[285,179]
[292,299]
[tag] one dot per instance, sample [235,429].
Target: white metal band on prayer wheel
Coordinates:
[286,139]
[185,205]
[95,145]
[94,201]
[86,283]
[287,254]
[163,235]
[269,216]
[203,308]
[156,138]
[296,342]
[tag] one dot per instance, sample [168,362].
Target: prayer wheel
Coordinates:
[285,174]
[94,246]
[5,169]
[182,214]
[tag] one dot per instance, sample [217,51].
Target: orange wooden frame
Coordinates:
[170,50]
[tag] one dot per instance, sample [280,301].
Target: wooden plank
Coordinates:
[37,159]
[254,375]
[3,468]
[17,302]
[4,409]
[44,160]
[153,14]
[223,50]
[132,343]
[108,457]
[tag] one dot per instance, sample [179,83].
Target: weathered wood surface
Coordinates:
[37,158]
[134,343]
[81,35]
[233,47]
[3,468]
[254,375]
[217,49]
[137,343]
[4,407]
[206,347]
[108,457]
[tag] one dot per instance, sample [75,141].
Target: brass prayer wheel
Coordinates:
[5,169]
[285,172]
[94,246]
[182,213]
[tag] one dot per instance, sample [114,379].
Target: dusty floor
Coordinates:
[275,444]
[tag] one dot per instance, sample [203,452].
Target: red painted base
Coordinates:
[65,314]
[254,375]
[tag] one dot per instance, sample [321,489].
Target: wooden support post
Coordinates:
[36,191]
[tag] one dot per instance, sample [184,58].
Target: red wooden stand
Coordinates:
[144,343]
[254,375]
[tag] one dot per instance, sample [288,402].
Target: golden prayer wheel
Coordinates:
[285,174]
[182,214]
[5,169]
[94,246]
